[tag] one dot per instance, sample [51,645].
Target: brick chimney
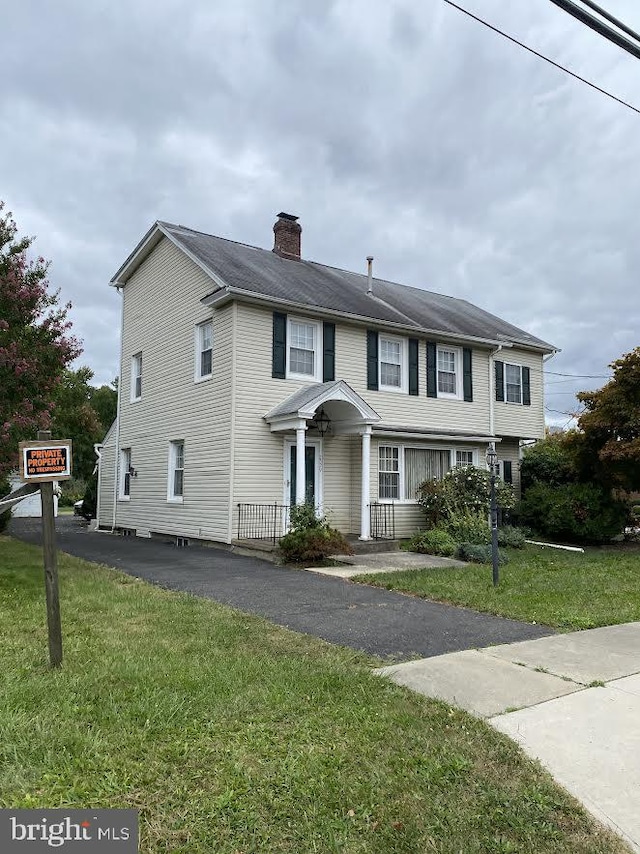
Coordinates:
[287,232]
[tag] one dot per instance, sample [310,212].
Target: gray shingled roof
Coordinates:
[307,283]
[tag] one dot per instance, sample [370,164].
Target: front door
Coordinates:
[309,474]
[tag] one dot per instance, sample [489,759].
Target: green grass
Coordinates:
[232,735]
[567,590]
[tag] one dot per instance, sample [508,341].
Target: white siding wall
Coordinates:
[258,457]
[161,308]
[512,419]
[106,480]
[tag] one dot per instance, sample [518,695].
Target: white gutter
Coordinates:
[116,455]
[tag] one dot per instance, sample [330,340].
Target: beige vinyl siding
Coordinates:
[161,309]
[514,419]
[259,454]
[509,449]
[107,480]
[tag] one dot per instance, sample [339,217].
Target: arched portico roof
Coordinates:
[303,404]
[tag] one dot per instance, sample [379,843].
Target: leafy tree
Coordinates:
[73,417]
[610,426]
[551,460]
[35,344]
[104,401]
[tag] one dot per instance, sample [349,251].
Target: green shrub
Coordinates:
[436,541]
[466,526]
[5,489]
[310,537]
[474,553]
[510,537]
[461,490]
[90,498]
[551,460]
[577,512]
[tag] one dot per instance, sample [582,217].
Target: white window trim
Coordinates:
[135,360]
[317,351]
[459,382]
[474,456]
[401,451]
[198,377]
[404,365]
[513,402]
[121,475]
[171,498]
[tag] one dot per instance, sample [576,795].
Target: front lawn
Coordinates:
[234,736]
[567,590]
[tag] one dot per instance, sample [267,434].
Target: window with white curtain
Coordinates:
[422,464]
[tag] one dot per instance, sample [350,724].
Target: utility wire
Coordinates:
[580,376]
[609,17]
[597,26]
[542,56]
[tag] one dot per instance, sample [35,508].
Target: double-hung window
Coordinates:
[389,472]
[204,350]
[401,470]
[175,485]
[303,349]
[136,377]
[464,458]
[448,369]
[125,474]
[513,383]
[392,361]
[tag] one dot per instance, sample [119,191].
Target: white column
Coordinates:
[365,521]
[300,430]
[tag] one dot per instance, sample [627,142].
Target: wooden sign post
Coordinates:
[43,462]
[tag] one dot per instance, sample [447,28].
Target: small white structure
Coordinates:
[31,505]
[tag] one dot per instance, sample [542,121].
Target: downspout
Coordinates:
[97,450]
[492,391]
[116,455]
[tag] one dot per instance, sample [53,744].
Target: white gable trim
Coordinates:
[339,390]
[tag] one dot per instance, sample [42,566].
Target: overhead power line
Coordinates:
[580,376]
[542,56]
[599,27]
[609,17]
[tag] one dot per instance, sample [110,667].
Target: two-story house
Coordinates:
[253,378]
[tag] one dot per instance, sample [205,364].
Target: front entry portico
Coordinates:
[346,413]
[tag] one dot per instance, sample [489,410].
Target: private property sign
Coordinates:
[45,460]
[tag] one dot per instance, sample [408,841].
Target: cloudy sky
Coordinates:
[399,129]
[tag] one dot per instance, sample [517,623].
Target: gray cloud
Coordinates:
[404,130]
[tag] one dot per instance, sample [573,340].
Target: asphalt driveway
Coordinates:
[377,621]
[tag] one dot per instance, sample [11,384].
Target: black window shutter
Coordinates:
[413,366]
[328,352]
[526,387]
[467,375]
[499,380]
[372,359]
[507,471]
[432,385]
[279,358]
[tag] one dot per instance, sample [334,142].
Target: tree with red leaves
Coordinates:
[35,343]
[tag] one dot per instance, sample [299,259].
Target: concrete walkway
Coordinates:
[571,701]
[370,564]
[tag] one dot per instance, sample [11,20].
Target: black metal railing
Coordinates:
[262,521]
[383,521]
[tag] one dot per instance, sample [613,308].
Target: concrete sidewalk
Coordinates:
[571,701]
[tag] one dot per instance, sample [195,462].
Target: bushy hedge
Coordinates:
[461,490]
[577,512]
[466,526]
[311,538]
[437,541]
[474,553]
[511,537]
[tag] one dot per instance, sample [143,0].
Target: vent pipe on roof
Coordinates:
[370,274]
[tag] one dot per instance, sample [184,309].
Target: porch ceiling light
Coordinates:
[322,422]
